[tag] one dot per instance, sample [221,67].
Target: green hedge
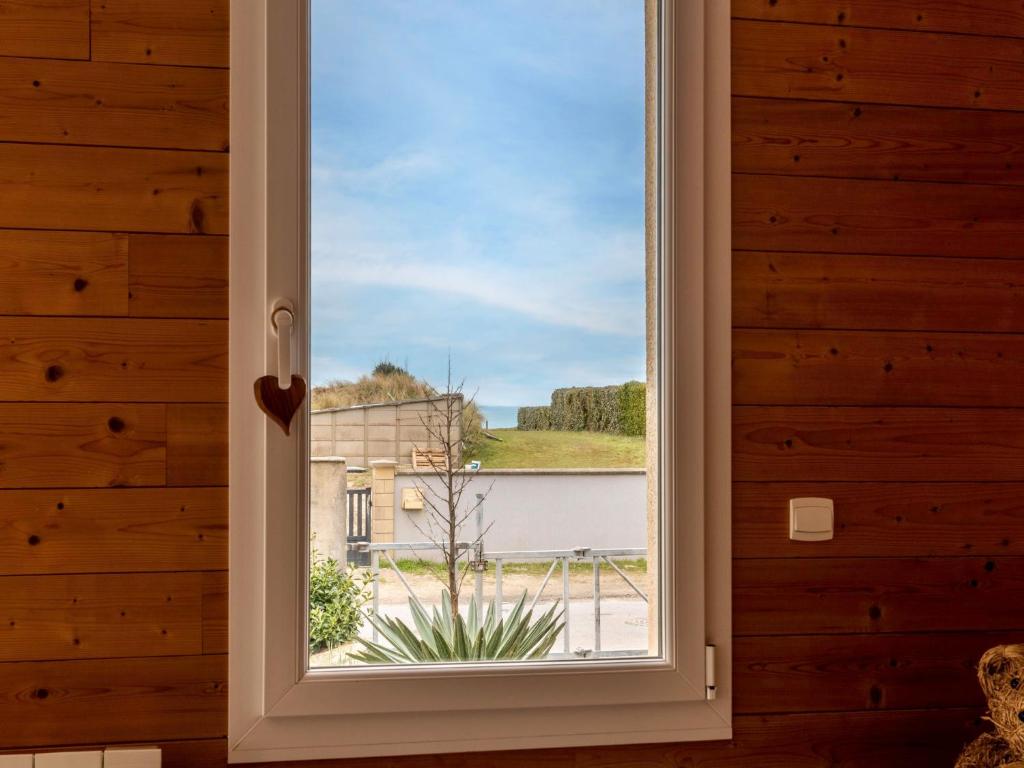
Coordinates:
[619,410]
[534,418]
[633,408]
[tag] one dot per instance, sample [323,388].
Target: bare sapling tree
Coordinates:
[445,515]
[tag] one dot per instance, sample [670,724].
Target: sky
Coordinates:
[478,192]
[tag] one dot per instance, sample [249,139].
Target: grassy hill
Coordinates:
[558,450]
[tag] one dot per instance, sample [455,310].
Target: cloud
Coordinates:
[478,189]
[548,296]
[387,173]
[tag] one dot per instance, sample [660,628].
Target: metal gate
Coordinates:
[359,505]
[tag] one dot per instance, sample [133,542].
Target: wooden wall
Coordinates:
[878,357]
[113,373]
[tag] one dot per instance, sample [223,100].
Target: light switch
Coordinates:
[69,760]
[131,758]
[810,519]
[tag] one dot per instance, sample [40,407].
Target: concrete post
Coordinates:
[383,485]
[328,487]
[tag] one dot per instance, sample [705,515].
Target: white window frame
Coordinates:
[281,710]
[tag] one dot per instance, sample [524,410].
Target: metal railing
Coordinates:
[479,559]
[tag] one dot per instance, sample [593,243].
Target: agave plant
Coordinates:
[442,636]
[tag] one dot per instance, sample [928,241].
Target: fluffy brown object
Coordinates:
[1001,675]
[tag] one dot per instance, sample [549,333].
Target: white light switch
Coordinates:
[810,519]
[69,760]
[131,758]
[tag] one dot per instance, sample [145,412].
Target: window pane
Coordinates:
[482,440]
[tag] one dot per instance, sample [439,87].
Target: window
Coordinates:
[453,223]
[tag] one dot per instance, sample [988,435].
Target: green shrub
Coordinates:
[441,636]
[617,410]
[633,409]
[336,599]
[533,418]
[387,368]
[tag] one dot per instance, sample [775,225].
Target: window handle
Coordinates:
[282,318]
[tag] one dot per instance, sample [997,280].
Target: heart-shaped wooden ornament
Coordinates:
[280,404]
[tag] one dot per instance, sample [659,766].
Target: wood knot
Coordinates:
[196,217]
[115,424]
[54,373]
[80,284]
[33,540]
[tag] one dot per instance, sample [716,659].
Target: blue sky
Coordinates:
[477,178]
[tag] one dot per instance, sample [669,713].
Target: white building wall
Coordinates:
[543,509]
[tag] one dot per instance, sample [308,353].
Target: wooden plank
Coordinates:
[785,367]
[177,276]
[866,216]
[205,753]
[90,616]
[858,672]
[57,445]
[62,273]
[197,445]
[182,32]
[78,359]
[73,102]
[113,530]
[888,67]
[851,739]
[979,17]
[112,700]
[884,519]
[820,443]
[809,138]
[215,612]
[855,595]
[98,273]
[807,290]
[56,29]
[92,188]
